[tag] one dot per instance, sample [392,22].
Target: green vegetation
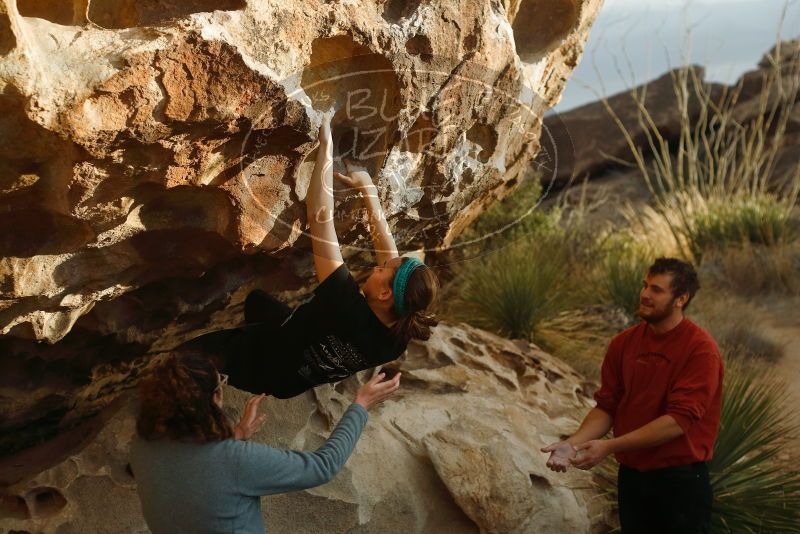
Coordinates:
[516,217]
[698,224]
[512,289]
[753,492]
[624,263]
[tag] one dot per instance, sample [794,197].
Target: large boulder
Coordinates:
[154,157]
[588,143]
[765,88]
[455,451]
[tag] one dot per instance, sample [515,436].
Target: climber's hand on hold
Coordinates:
[357,177]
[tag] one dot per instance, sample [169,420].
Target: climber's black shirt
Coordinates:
[284,352]
[336,334]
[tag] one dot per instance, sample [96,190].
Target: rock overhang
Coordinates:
[154,163]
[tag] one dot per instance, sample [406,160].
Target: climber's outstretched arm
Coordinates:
[358,178]
[319,205]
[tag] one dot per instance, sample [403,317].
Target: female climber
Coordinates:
[341,329]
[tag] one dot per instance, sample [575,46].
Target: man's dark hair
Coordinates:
[684,277]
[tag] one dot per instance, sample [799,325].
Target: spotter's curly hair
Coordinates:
[177,402]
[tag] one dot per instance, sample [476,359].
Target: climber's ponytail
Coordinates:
[418,296]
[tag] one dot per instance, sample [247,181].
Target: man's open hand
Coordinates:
[591,453]
[561,453]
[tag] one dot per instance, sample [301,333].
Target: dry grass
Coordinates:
[734,323]
[580,337]
[714,185]
[751,270]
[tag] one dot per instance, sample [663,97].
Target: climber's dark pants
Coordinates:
[673,500]
[253,356]
[261,307]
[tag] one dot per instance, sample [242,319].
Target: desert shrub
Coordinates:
[764,220]
[751,270]
[715,184]
[752,491]
[511,290]
[513,218]
[735,323]
[580,336]
[692,226]
[625,262]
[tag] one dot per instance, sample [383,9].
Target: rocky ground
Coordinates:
[455,451]
[780,324]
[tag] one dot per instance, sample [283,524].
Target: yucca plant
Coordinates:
[625,263]
[753,491]
[706,224]
[509,291]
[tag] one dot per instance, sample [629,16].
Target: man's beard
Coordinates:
[657,316]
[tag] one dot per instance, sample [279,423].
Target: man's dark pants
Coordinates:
[673,500]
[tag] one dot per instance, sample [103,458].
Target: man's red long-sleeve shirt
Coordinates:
[677,373]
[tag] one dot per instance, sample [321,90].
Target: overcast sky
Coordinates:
[727,36]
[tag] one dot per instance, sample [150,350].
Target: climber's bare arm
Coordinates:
[358,178]
[319,205]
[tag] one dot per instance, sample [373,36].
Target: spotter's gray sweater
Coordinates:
[216,487]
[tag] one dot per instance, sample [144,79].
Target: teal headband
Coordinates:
[400,282]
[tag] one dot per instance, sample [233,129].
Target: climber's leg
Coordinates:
[261,307]
[229,350]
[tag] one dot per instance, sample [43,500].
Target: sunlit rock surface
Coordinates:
[154,157]
[456,451]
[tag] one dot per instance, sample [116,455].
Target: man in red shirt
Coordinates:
[661,389]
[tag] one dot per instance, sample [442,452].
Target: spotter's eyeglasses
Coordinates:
[223,379]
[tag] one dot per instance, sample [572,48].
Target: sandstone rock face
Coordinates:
[454,452]
[154,157]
